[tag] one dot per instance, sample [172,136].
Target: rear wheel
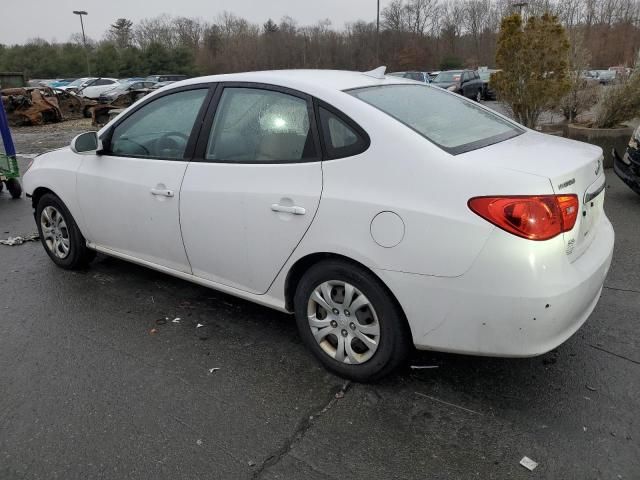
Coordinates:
[14,187]
[60,235]
[350,322]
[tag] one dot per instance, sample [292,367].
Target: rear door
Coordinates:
[252,193]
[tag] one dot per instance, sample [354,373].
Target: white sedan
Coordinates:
[384,213]
[98,87]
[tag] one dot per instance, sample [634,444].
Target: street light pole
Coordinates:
[378,34]
[80,13]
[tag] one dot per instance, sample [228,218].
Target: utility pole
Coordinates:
[80,13]
[378,35]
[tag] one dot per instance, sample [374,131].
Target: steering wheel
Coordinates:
[138,144]
[168,135]
[168,141]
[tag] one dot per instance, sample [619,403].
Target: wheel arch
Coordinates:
[38,193]
[303,264]
[41,191]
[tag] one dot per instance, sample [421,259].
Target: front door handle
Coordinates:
[294,210]
[161,191]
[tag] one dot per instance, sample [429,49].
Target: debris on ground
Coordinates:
[162,321]
[153,331]
[198,442]
[200,325]
[339,395]
[447,403]
[19,240]
[529,464]
[176,320]
[215,369]
[421,367]
[251,463]
[589,387]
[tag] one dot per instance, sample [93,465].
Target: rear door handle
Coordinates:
[294,210]
[163,192]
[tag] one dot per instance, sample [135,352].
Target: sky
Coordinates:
[54,20]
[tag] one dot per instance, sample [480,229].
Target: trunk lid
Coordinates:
[572,168]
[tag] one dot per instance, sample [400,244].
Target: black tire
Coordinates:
[1,186]
[394,342]
[78,255]
[14,187]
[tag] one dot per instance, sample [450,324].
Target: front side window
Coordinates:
[451,122]
[255,126]
[161,128]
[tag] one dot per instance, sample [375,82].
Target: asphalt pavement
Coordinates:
[97,381]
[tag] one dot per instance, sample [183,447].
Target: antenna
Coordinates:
[376,73]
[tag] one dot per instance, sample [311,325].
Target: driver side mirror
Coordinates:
[87,142]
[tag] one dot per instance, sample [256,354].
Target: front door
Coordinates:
[130,194]
[248,201]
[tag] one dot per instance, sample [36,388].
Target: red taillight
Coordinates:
[537,217]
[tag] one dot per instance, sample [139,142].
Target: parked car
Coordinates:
[165,78]
[333,196]
[464,82]
[163,84]
[604,77]
[417,76]
[488,93]
[123,88]
[78,84]
[99,86]
[627,167]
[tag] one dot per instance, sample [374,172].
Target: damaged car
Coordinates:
[39,105]
[627,167]
[123,95]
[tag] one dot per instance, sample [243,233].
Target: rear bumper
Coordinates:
[516,308]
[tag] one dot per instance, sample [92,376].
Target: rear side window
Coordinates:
[340,139]
[255,126]
[451,122]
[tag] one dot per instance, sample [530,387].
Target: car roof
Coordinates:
[313,82]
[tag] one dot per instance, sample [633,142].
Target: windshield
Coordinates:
[448,77]
[451,122]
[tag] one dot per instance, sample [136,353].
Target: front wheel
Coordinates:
[59,234]
[350,322]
